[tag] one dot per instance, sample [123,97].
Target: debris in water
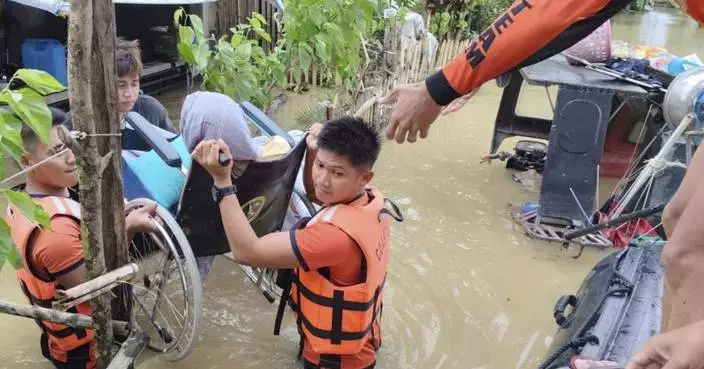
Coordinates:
[530,179]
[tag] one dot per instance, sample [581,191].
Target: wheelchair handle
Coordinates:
[223,159]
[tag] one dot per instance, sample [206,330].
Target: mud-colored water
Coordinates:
[467,289]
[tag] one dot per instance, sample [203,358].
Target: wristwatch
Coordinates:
[220,193]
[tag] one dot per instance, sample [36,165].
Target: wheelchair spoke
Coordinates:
[168,291]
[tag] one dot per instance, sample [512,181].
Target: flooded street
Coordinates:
[466,288]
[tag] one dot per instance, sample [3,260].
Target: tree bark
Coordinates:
[106,117]
[92,95]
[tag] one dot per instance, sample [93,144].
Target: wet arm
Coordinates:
[272,251]
[526,33]
[683,261]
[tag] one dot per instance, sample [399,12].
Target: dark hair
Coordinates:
[30,139]
[353,138]
[128,57]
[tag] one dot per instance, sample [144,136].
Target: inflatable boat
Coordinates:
[616,310]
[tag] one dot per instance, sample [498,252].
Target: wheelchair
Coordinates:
[167,295]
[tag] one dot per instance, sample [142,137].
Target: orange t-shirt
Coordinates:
[58,251]
[325,245]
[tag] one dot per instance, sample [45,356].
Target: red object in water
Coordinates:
[620,236]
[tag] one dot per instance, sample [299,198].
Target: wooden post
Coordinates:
[93,99]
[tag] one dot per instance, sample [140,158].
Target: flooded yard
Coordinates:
[466,287]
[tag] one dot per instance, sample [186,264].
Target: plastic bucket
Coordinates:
[45,54]
[594,48]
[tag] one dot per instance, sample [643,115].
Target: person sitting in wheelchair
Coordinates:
[338,259]
[210,115]
[53,258]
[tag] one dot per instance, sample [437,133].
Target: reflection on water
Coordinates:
[466,288]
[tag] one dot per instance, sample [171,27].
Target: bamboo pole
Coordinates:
[72,320]
[124,273]
[28,311]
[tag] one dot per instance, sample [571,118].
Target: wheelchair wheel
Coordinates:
[167,293]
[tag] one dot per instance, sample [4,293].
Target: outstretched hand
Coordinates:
[677,349]
[458,103]
[414,110]
[141,220]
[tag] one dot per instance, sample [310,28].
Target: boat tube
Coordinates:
[616,310]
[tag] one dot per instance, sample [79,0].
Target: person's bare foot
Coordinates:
[584,363]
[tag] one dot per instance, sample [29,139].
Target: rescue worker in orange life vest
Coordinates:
[339,258]
[53,258]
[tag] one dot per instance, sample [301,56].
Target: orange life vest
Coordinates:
[40,288]
[339,320]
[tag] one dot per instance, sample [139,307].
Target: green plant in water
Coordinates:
[20,105]
[465,18]
[234,65]
[328,33]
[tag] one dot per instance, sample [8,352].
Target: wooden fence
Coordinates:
[230,13]
[405,63]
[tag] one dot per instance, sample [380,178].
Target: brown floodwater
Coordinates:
[466,287]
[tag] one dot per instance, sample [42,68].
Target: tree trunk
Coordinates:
[92,95]
[106,118]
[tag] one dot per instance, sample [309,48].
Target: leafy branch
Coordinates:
[235,66]
[22,101]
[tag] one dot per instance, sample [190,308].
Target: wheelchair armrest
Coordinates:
[154,139]
[265,123]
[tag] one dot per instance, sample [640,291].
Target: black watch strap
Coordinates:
[220,193]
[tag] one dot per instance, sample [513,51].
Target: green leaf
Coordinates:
[32,110]
[40,81]
[226,51]
[14,258]
[178,14]
[202,55]
[263,34]
[186,35]
[11,148]
[6,243]
[255,23]
[197,24]
[304,57]
[28,208]
[186,52]
[236,39]
[259,17]
[244,51]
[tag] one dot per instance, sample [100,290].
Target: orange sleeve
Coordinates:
[59,251]
[526,33]
[321,245]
